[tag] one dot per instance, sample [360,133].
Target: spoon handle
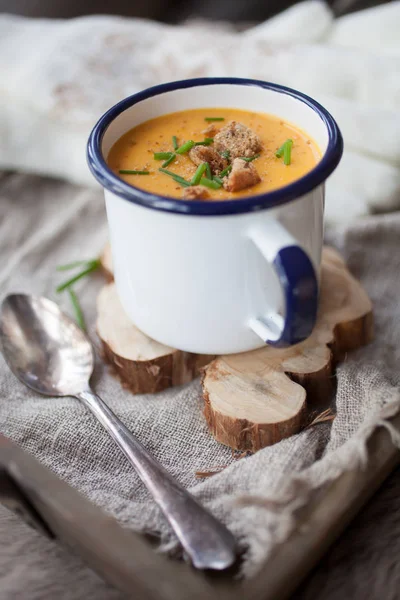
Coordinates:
[208,542]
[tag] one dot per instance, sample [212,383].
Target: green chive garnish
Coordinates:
[74,265]
[208,171]
[226,154]
[162,155]
[249,158]
[213,185]
[175,142]
[279,152]
[218,180]
[205,142]
[77,309]
[211,119]
[176,177]
[185,147]
[199,174]
[91,266]
[169,160]
[128,172]
[226,171]
[287,152]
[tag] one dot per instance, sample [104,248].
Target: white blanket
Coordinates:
[58,77]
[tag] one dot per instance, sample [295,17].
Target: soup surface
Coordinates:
[260,154]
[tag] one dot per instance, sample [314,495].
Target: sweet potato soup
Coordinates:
[213,154]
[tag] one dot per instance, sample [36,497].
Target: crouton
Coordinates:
[238,139]
[243,175]
[195,192]
[202,154]
[210,130]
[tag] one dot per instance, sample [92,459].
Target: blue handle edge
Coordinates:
[300,288]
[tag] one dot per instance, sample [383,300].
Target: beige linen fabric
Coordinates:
[44,223]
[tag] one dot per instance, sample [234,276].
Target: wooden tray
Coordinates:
[128,561]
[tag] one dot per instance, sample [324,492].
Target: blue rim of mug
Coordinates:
[109,180]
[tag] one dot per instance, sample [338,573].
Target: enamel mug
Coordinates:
[227,276]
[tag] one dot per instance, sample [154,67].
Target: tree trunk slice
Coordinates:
[256,399]
[142,364]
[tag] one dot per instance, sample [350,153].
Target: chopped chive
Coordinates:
[176,177]
[74,265]
[213,185]
[199,174]
[208,171]
[218,180]
[211,119]
[128,172]
[171,174]
[175,142]
[205,142]
[185,147]
[77,309]
[92,266]
[169,160]
[226,154]
[162,155]
[280,151]
[226,171]
[249,158]
[287,152]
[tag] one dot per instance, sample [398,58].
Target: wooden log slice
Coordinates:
[142,364]
[257,398]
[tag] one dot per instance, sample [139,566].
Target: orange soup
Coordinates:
[213,154]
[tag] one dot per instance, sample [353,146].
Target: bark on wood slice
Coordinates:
[142,364]
[257,398]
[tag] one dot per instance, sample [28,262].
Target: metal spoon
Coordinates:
[47,351]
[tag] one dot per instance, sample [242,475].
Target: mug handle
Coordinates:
[298,282]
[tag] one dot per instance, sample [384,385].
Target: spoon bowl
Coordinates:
[43,347]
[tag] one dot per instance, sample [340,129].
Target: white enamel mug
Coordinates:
[227,276]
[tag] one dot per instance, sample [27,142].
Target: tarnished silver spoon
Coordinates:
[48,352]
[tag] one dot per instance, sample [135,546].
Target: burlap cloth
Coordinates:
[44,223]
